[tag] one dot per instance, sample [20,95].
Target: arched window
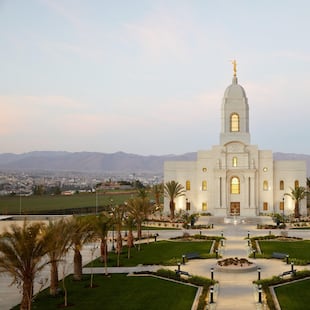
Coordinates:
[188,185]
[234,161]
[204,185]
[281,185]
[234,122]
[296,183]
[234,185]
[204,206]
[265,185]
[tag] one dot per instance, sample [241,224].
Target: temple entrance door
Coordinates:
[235,208]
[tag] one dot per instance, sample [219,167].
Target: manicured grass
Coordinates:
[295,249]
[158,253]
[58,202]
[121,292]
[294,296]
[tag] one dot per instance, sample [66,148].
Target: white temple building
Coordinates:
[235,177]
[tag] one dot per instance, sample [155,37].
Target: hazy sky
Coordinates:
[148,76]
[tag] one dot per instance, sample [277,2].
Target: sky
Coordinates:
[148,76]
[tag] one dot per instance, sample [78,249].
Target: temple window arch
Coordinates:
[296,183]
[265,185]
[204,185]
[281,185]
[188,185]
[234,161]
[234,185]
[234,122]
[204,206]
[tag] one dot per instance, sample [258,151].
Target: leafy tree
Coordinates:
[297,194]
[21,255]
[57,241]
[173,190]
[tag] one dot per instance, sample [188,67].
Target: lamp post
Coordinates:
[211,295]
[113,247]
[212,273]
[258,273]
[287,259]
[20,203]
[216,254]
[283,208]
[260,294]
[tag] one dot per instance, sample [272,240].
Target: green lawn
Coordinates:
[294,296]
[58,202]
[295,249]
[159,253]
[121,292]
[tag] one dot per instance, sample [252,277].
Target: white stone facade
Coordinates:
[235,177]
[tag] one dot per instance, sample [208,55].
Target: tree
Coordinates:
[173,190]
[22,251]
[158,190]
[118,217]
[130,224]
[80,233]
[102,225]
[57,241]
[139,208]
[297,194]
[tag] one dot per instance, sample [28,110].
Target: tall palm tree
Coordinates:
[158,190]
[297,194]
[173,190]
[80,233]
[118,213]
[57,241]
[139,208]
[102,224]
[130,223]
[21,255]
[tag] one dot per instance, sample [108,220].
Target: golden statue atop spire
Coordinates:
[234,62]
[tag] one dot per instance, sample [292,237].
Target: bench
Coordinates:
[279,255]
[181,272]
[192,255]
[288,273]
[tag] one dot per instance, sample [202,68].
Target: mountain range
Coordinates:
[95,162]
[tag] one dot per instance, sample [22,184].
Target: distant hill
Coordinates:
[94,162]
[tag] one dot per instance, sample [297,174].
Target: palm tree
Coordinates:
[80,233]
[118,217]
[173,190]
[130,224]
[57,241]
[22,251]
[102,225]
[158,190]
[297,194]
[139,209]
